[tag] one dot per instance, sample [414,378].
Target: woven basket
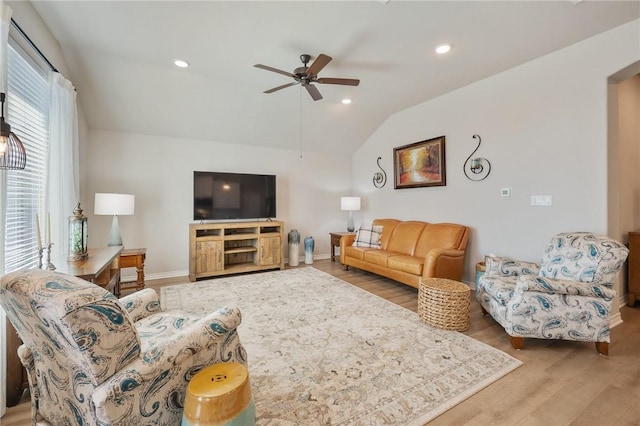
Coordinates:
[444,303]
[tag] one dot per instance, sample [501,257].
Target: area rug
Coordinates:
[324,352]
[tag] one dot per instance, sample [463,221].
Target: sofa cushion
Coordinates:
[409,264]
[405,236]
[439,235]
[368,236]
[388,225]
[378,257]
[356,252]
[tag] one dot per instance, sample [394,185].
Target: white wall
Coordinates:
[159,172]
[624,157]
[544,129]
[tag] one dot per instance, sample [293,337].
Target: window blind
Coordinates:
[27,112]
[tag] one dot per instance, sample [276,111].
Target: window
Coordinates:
[27,112]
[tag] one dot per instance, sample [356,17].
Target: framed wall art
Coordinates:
[420,164]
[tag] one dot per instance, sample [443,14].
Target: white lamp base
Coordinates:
[114,236]
[350,226]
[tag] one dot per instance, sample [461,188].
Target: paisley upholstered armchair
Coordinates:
[568,296]
[93,359]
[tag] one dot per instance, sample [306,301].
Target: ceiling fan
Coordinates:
[306,75]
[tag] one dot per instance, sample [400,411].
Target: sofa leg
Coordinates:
[517,342]
[602,348]
[346,267]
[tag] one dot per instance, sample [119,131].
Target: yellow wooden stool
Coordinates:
[219,395]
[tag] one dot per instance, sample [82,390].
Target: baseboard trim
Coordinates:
[185,273]
[615,320]
[158,275]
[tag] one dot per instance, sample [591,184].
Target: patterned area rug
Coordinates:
[324,352]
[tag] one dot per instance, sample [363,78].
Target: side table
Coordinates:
[335,242]
[444,303]
[133,258]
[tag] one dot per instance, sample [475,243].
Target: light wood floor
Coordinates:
[560,383]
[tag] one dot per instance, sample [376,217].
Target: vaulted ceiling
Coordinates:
[121,57]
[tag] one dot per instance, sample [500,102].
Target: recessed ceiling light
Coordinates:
[180,63]
[346,101]
[443,48]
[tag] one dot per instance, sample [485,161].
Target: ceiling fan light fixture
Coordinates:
[180,63]
[306,75]
[442,48]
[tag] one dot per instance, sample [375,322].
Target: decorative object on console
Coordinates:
[420,164]
[379,179]
[350,204]
[480,167]
[78,229]
[116,205]
[12,153]
[294,247]
[44,252]
[308,250]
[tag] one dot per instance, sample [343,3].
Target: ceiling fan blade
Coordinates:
[284,86]
[265,67]
[342,81]
[313,91]
[321,61]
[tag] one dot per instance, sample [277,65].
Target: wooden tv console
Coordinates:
[234,247]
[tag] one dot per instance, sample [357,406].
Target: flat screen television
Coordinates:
[230,196]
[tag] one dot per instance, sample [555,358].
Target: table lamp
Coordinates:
[116,205]
[350,204]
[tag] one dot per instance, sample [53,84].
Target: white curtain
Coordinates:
[63,186]
[5,23]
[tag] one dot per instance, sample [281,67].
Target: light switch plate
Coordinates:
[505,192]
[541,200]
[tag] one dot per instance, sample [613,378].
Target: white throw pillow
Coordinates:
[368,236]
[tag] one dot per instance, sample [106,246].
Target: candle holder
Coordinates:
[479,167]
[40,249]
[45,258]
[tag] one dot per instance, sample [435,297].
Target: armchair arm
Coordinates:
[166,360]
[506,266]
[444,263]
[175,348]
[569,287]
[141,304]
[345,241]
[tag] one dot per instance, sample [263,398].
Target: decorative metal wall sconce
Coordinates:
[478,166]
[379,179]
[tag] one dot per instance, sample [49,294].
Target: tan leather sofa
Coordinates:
[410,250]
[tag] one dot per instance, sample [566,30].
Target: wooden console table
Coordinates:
[335,242]
[102,267]
[133,258]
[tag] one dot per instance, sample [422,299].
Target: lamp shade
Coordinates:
[350,203]
[114,204]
